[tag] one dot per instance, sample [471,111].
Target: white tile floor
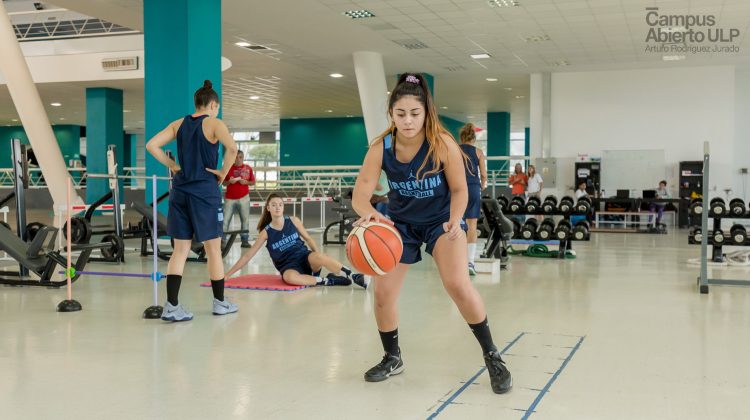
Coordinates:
[618,333]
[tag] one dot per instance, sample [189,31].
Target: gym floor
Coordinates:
[620,332]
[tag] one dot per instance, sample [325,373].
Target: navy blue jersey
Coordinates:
[420,202]
[285,245]
[195,154]
[472,166]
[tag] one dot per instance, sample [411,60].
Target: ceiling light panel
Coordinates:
[359,14]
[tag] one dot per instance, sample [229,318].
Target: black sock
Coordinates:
[218,288]
[173,288]
[484,336]
[390,342]
[347,272]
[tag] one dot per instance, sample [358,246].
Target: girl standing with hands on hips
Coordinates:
[427,200]
[195,199]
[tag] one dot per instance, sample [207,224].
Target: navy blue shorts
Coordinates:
[475,202]
[413,236]
[299,263]
[194,217]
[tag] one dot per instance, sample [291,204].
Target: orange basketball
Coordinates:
[374,248]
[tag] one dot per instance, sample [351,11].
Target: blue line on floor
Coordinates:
[470,381]
[543,392]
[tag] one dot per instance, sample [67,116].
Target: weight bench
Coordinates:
[146,211]
[342,227]
[39,257]
[500,231]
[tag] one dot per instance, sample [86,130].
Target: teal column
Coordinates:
[498,138]
[182,41]
[527,141]
[129,150]
[103,127]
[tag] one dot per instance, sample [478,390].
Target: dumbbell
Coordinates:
[31,230]
[528,231]
[718,236]
[717,207]
[737,207]
[581,231]
[696,206]
[550,204]
[546,230]
[697,235]
[516,228]
[739,234]
[503,202]
[562,232]
[533,204]
[583,205]
[516,204]
[567,204]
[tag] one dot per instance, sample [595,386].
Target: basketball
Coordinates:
[374,248]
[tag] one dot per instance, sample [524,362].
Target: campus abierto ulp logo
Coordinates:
[688,34]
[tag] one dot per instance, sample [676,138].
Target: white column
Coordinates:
[540,94]
[32,114]
[373,91]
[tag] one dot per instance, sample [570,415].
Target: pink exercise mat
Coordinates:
[258,282]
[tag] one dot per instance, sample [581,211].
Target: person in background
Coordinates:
[237,197]
[581,191]
[535,183]
[379,198]
[661,192]
[518,181]
[476,178]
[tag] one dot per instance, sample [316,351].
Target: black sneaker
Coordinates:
[390,365]
[334,280]
[359,280]
[500,378]
[245,244]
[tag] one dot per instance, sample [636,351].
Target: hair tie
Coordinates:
[412,79]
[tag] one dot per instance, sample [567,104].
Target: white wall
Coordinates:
[674,109]
[742,133]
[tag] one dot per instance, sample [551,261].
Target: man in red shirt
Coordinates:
[237,198]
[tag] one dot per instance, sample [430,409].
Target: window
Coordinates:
[258,155]
[518,148]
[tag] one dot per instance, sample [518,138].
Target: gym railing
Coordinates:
[311,181]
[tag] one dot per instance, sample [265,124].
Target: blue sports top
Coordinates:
[420,202]
[472,166]
[195,154]
[285,245]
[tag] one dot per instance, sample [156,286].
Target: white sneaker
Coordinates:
[472,270]
[175,313]
[223,308]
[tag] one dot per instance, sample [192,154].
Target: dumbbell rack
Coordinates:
[703,280]
[565,244]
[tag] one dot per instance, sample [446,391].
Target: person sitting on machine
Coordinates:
[581,191]
[298,262]
[658,207]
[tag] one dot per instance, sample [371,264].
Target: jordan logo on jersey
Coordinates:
[418,188]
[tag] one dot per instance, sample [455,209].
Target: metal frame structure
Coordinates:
[703,279]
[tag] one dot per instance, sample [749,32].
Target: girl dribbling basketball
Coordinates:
[427,200]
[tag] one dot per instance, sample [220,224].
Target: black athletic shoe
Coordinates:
[359,280]
[334,280]
[500,378]
[390,365]
[246,244]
